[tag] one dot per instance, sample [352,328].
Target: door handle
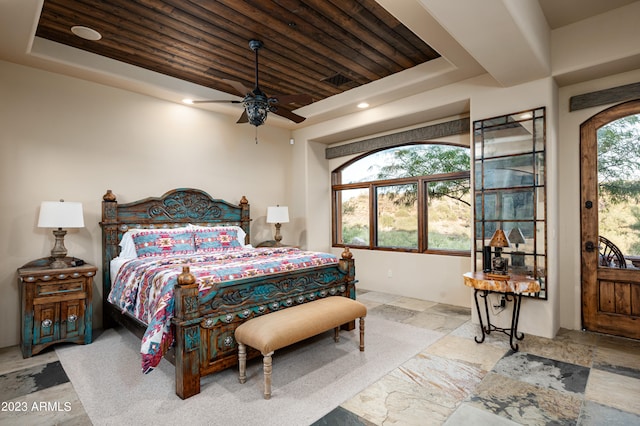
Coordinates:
[589,246]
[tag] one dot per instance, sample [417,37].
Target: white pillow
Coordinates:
[128,247]
[241,234]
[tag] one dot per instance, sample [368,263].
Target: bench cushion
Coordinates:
[276,330]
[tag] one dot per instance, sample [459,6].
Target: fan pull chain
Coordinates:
[256,135]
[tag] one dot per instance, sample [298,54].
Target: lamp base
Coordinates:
[59,251]
[278,237]
[58,264]
[517,258]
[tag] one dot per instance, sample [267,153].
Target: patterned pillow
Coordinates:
[216,239]
[156,242]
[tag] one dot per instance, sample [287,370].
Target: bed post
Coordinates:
[187,335]
[110,250]
[245,220]
[347,265]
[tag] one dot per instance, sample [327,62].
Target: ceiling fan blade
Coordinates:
[244,118]
[288,114]
[207,101]
[240,88]
[299,99]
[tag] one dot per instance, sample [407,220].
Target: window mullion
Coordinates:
[373,217]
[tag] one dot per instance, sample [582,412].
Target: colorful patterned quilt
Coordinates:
[144,286]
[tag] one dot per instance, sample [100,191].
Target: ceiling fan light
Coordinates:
[256,110]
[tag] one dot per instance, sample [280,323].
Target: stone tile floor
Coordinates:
[576,378]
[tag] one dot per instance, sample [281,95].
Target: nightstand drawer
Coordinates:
[59,287]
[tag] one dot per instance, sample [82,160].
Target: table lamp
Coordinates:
[499,264]
[278,215]
[516,237]
[58,215]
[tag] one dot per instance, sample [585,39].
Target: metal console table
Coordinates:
[510,286]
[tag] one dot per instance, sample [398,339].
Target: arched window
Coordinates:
[413,198]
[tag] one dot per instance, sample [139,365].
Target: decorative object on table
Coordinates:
[517,257]
[499,264]
[486,259]
[58,215]
[278,215]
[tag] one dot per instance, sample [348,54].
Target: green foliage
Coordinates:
[619,160]
[353,233]
[426,160]
[449,241]
[398,238]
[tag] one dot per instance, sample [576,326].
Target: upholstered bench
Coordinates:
[276,330]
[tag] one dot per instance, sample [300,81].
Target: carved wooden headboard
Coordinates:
[175,208]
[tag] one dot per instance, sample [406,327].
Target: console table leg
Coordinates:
[475,296]
[517,300]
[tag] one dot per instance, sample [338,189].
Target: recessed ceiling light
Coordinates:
[86,33]
[363,105]
[188,101]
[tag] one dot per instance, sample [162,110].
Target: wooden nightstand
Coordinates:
[56,305]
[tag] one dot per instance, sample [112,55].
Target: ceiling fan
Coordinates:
[257,104]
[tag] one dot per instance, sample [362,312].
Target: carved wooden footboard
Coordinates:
[204,326]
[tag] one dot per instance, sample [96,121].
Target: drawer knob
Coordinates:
[72,318]
[47,323]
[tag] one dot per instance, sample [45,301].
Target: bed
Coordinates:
[203,291]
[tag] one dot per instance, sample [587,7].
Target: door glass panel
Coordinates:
[619,189]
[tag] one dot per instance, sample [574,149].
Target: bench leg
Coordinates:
[361,334]
[267,367]
[336,334]
[242,362]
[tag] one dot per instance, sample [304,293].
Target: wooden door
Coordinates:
[610,295]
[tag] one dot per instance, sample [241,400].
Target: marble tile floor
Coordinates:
[574,379]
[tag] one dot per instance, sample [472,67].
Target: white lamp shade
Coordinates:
[60,214]
[278,214]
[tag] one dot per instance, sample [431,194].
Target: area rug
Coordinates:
[309,379]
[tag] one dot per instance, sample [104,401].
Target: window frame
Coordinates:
[421,183]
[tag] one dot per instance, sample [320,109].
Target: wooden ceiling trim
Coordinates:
[397,36]
[292,70]
[325,26]
[355,23]
[279,33]
[144,58]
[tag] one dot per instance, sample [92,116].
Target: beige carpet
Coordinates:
[309,379]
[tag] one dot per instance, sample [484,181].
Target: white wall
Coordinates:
[66,138]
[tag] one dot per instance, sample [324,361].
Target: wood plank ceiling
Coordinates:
[315,47]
